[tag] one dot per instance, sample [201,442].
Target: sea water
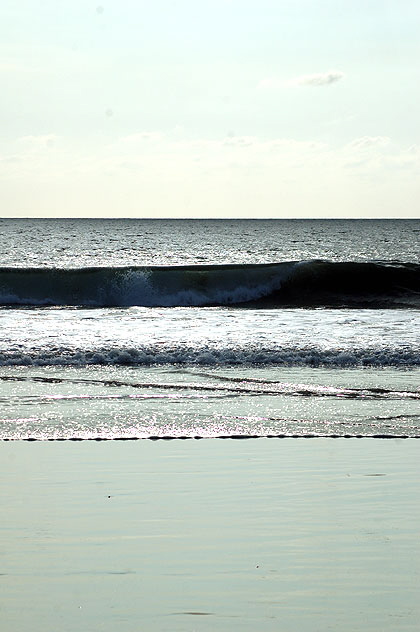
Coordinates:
[116,329]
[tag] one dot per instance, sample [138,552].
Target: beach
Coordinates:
[211,534]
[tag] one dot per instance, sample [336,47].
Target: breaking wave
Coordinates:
[296,283]
[210,356]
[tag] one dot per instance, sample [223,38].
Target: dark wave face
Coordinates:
[289,284]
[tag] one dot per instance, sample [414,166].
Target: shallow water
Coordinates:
[171,401]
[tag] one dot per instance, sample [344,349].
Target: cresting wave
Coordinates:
[296,283]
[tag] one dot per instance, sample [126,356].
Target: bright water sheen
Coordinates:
[155,328]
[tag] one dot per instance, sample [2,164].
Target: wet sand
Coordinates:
[212,535]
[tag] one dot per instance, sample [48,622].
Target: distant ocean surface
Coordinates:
[119,329]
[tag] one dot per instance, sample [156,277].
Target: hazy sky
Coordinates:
[226,108]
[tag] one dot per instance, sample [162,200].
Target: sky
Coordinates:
[216,108]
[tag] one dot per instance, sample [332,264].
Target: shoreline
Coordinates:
[209,437]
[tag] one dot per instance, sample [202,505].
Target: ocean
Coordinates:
[132,329]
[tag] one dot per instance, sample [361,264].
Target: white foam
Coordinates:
[215,356]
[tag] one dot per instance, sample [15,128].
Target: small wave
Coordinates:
[295,283]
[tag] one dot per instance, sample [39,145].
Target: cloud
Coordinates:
[319,79]
[369,141]
[224,176]
[239,141]
[369,153]
[38,142]
[142,137]
[314,80]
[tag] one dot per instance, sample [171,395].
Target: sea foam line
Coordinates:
[210,356]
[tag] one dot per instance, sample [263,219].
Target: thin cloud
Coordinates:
[143,137]
[369,141]
[314,80]
[39,141]
[319,79]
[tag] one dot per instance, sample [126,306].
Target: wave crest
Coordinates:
[210,356]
